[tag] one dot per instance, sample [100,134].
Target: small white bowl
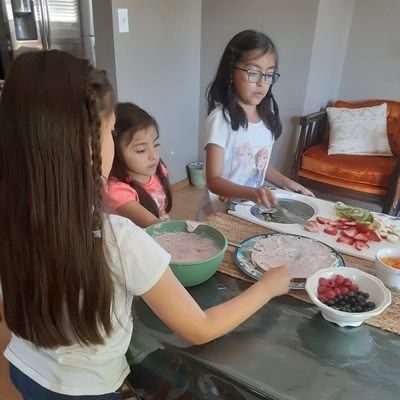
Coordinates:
[378,293]
[388,275]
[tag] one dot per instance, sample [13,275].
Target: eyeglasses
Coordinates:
[254,76]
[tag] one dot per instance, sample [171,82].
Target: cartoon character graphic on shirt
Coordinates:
[261,161]
[242,161]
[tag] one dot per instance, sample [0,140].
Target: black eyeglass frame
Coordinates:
[274,75]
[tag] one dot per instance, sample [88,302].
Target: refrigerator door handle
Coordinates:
[45,24]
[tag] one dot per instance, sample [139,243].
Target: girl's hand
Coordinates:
[296,187]
[262,196]
[277,280]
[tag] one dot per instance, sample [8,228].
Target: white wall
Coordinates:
[328,53]
[372,63]
[158,67]
[328,50]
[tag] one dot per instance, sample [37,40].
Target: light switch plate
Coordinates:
[123,22]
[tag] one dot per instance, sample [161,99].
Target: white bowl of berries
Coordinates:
[347,296]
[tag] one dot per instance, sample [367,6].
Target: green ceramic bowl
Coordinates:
[193,273]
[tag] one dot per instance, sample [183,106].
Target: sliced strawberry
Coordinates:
[372,235]
[343,220]
[345,239]
[361,245]
[335,223]
[350,223]
[350,232]
[361,227]
[313,226]
[322,220]
[361,236]
[341,227]
[331,230]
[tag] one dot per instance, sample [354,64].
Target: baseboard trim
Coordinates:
[180,185]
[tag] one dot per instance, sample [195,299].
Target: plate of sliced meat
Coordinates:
[304,256]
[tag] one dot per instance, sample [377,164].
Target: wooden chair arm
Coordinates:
[311,133]
[391,201]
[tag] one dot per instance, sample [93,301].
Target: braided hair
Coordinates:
[219,91]
[57,286]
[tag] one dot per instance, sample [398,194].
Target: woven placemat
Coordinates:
[236,230]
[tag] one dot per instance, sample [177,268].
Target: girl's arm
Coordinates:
[283,182]
[225,188]
[139,215]
[176,308]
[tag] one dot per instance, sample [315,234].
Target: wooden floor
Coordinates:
[185,201]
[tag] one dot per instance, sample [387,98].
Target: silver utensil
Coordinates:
[263,209]
[293,217]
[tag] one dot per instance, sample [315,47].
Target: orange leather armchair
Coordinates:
[371,179]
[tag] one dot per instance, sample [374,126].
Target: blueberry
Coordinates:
[347,306]
[352,300]
[340,297]
[370,305]
[360,293]
[330,303]
[360,298]
[350,294]
[358,309]
[345,298]
[366,295]
[352,309]
[341,308]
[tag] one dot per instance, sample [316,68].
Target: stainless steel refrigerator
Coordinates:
[46,24]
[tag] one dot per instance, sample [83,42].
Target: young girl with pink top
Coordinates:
[138,187]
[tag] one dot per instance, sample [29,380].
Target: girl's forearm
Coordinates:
[276,178]
[225,188]
[182,314]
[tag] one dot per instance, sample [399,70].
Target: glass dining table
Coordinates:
[284,351]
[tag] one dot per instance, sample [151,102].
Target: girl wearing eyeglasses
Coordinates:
[242,109]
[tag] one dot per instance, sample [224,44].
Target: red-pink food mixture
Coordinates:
[187,247]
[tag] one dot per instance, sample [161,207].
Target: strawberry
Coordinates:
[322,220]
[345,239]
[334,223]
[361,227]
[313,226]
[350,223]
[350,232]
[331,230]
[360,245]
[361,236]
[343,220]
[372,235]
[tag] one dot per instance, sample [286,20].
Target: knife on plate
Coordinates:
[293,217]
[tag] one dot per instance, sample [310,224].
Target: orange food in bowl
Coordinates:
[391,262]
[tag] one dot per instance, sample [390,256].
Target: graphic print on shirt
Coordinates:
[249,164]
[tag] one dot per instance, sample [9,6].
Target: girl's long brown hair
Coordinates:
[57,287]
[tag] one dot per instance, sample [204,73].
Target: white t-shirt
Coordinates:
[137,263]
[246,156]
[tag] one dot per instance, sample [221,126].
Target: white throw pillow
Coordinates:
[358,131]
